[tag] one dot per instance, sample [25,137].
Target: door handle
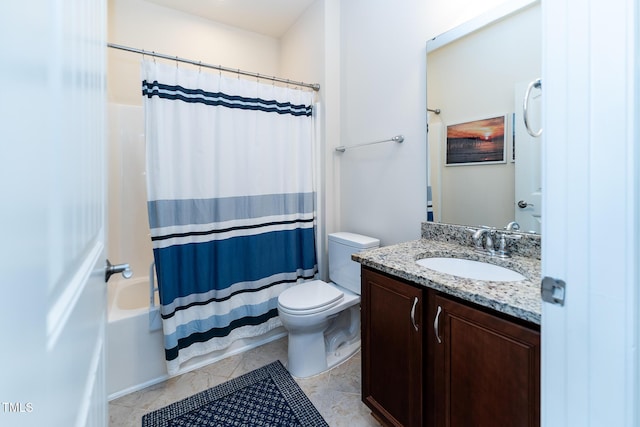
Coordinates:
[413,313]
[523,204]
[436,326]
[112,269]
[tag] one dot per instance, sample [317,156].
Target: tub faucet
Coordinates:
[112,269]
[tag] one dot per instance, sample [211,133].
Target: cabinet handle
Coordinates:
[413,313]
[436,326]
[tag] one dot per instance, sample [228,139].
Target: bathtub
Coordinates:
[135,353]
[135,350]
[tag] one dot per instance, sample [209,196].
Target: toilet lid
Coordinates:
[310,297]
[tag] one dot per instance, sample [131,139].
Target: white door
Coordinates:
[528,170]
[52,188]
[591,211]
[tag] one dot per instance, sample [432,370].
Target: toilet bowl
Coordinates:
[323,319]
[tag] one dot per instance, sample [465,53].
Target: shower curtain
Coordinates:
[231,201]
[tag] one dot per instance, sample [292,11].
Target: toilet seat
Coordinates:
[309,298]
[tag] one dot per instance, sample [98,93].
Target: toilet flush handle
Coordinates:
[413,313]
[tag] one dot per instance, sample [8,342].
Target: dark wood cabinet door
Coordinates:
[392,362]
[486,369]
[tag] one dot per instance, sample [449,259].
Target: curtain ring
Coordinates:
[176,62]
[199,66]
[153,53]
[220,70]
[257,77]
[238,73]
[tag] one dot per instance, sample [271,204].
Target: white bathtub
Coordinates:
[135,353]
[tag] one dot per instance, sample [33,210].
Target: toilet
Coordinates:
[323,319]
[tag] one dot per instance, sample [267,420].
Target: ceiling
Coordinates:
[269,17]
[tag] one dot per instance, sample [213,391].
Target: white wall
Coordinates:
[383,187]
[144,25]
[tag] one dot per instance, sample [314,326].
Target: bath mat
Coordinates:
[268,396]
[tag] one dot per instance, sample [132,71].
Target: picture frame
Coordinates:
[477,142]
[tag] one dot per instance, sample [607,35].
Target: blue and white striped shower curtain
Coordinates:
[231,200]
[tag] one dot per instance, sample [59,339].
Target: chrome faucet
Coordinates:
[512,226]
[503,250]
[488,247]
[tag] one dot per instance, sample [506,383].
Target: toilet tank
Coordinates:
[343,270]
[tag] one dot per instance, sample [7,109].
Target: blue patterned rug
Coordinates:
[268,396]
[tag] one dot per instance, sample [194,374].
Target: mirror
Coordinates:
[475,72]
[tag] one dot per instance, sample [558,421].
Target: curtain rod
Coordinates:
[313,86]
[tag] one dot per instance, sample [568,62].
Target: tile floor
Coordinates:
[336,394]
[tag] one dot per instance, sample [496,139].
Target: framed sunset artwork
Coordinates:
[477,142]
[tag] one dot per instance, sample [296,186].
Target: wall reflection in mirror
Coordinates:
[479,76]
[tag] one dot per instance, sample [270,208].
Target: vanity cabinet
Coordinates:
[486,368]
[459,365]
[392,343]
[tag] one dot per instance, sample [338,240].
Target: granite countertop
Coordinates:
[519,299]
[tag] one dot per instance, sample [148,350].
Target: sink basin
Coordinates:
[471,269]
